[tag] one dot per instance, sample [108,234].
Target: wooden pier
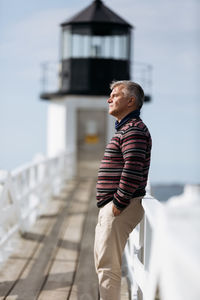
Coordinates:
[54,260]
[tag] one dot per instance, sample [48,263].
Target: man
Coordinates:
[122,179]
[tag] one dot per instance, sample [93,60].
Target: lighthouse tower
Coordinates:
[95,50]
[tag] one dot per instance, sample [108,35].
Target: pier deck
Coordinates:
[54,260]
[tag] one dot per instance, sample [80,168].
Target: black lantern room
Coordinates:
[95,50]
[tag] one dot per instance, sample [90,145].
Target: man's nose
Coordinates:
[109,100]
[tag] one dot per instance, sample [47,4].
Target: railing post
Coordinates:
[141,252]
[147,243]
[151,255]
[14,198]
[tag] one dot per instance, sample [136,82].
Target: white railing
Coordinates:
[138,249]
[25,191]
[163,252]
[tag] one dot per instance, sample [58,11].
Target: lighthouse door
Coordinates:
[91,134]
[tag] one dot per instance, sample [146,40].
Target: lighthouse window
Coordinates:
[120,47]
[124,47]
[77,47]
[80,45]
[96,46]
[107,46]
[83,46]
[115,47]
[66,44]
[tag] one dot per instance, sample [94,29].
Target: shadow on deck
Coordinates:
[55,259]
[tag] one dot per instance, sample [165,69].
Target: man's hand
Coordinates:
[116,211]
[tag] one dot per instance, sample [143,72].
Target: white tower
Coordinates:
[95,50]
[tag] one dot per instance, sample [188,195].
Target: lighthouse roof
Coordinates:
[95,13]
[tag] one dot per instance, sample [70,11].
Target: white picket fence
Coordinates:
[25,191]
[164,251]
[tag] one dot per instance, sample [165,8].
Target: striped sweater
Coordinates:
[124,168]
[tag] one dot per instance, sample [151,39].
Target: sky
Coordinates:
[166,36]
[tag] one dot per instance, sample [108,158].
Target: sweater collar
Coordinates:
[131,115]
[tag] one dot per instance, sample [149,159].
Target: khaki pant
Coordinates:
[111,235]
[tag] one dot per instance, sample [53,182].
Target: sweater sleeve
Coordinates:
[133,148]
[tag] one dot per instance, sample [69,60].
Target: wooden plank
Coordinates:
[15,265]
[61,274]
[85,285]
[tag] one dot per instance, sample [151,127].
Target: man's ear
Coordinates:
[131,102]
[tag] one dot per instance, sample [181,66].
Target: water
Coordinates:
[163,192]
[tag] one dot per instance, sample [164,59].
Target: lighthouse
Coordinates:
[95,49]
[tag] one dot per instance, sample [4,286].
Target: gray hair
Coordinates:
[131,89]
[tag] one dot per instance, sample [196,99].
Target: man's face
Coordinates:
[118,103]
